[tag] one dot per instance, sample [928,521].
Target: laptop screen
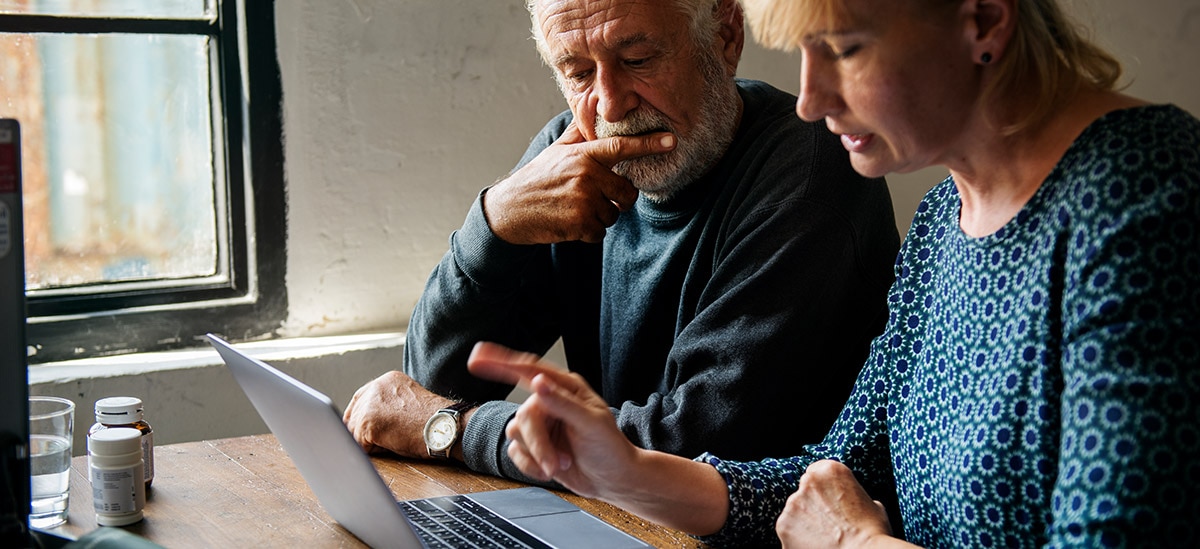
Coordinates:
[14,379]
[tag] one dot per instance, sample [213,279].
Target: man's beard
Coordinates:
[661,176]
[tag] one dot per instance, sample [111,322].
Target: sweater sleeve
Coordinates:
[1129,472]
[478,292]
[859,438]
[483,289]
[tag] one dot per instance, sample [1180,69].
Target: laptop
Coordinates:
[310,429]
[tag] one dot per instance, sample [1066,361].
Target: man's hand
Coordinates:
[831,509]
[390,412]
[569,192]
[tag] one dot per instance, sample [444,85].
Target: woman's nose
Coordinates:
[818,91]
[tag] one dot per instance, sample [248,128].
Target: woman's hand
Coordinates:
[831,509]
[564,431]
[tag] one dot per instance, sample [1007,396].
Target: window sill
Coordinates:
[279,350]
[190,395]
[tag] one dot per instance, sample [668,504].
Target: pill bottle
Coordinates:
[116,472]
[127,412]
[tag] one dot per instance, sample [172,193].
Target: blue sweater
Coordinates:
[1041,385]
[752,295]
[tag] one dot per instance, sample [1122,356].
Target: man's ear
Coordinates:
[990,27]
[731,33]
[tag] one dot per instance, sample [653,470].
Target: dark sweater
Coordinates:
[704,322]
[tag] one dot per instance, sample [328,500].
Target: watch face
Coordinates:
[441,431]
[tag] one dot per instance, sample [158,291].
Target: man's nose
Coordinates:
[615,95]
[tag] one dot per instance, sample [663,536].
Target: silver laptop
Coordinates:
[339,472]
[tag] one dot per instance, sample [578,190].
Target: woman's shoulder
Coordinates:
[940,204]
[1133,177]
[1134,154]
[1162,138]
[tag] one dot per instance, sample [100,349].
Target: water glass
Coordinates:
[51,425]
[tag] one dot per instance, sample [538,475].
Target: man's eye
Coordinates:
[579,76]
[637,62]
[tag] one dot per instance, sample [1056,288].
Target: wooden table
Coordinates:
[243,492]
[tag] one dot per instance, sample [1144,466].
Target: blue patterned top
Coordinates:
[1041,385]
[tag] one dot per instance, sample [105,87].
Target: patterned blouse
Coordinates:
[1040,385]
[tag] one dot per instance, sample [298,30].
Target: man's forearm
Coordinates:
[484,442]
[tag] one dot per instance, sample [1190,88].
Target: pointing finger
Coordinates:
[499,363]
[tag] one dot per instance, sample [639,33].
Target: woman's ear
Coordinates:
[990,26]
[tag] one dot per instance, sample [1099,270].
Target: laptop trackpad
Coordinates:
[522,502]
[577,530]
[553,519]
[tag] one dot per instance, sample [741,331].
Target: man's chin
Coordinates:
[658,190]
[658,196]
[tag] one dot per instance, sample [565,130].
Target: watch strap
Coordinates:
[458,407]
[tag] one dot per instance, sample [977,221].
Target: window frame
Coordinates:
[248,163]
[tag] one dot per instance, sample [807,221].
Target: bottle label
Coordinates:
[148,456]
[116,490]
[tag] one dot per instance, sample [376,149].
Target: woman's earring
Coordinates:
[986,58]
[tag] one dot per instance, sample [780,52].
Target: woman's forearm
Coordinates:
[673,491]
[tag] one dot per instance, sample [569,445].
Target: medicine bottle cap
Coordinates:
[120,441]
[118,410]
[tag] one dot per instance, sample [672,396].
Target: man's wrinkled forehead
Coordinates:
[608,23]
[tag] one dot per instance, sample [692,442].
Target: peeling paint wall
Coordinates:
[398,112]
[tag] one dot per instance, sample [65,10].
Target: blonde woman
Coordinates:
[1038,380]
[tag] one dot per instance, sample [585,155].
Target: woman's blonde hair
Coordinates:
[1048,58]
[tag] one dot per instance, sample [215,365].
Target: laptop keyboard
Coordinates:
[457,521]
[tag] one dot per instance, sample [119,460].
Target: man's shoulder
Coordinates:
[769,114]
[557,125]
[762,99]
[770,132]
[554,128]
[780,159]
[549,133]
[759,91]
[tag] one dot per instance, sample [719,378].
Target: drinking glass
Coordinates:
[51,422]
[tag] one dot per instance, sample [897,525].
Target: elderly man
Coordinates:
[712,264]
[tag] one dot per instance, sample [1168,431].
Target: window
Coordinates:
[153,171]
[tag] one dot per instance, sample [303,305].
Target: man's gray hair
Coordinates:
[702,15]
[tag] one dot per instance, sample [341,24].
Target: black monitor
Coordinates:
[14,378]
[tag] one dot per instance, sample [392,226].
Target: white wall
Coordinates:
[397,112]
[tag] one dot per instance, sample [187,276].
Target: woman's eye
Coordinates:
[844,53]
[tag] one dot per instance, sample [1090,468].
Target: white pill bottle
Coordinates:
[117,473]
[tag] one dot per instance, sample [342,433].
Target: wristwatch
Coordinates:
[444,429]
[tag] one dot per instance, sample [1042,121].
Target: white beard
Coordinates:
[660,176]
